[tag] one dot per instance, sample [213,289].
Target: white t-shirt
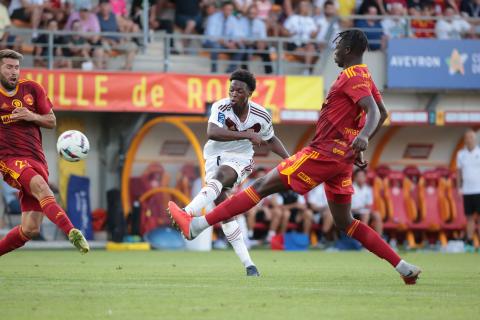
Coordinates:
[323,26]
[451,29]
[469,163]
[362,199]
[317,196]
[301,28]
[223,116]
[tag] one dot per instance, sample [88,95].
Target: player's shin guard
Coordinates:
[207,195]
[234,236]
[56,214]
[13,240]
[372,241]
[239,203]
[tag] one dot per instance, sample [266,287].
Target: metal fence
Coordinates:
[270,55]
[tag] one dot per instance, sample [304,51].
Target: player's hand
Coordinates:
[255,138]
[360,162]
[23,114]
[360,143]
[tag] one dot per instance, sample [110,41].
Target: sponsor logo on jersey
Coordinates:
[17,103]
[338,151]
[221,118]
[7,118]
[346,182]
[351,131]
[305,178]
[28,98]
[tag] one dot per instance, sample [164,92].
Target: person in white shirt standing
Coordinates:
[235,125]
[468,166]
[452,26]
[362,201]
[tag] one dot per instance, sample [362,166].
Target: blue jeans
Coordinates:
[216,48]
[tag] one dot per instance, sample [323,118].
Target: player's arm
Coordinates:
[370,107]
[277,147]
[47,120]
[383,117]
[214,132]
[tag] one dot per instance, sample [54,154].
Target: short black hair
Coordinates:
[355,39]
[328,3]
[244,76]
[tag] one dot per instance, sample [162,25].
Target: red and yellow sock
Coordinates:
[56,214]
[13,240]
[239,203]
[372,241]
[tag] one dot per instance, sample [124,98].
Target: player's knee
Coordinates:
[343,224]
[40,188]
[31,231]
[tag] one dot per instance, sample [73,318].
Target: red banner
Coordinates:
[146,92]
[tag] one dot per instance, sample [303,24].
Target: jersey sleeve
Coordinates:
[43,105]
[357,87]
[267,131]
[216,116]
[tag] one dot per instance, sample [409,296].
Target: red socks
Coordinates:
[372,241]
[56,214]
[13,240]
[239,203]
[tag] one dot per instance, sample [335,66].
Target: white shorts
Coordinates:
[242,166]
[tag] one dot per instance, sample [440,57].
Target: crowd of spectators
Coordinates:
[243,25]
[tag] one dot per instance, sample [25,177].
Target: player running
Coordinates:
[234,126]
[24,109]
[351,115]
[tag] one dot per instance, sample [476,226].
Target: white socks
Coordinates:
[206,196]
[405,268]
[234,236]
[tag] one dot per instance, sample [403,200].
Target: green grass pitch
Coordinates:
[185,285]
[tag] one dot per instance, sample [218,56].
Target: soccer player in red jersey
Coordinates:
[24,109]
[351,115]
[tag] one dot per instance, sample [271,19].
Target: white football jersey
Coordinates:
[222,115]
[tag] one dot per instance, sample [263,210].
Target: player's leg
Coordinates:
[340,206]
[29,228]
[39,197]
[237,204]
[234,235]
[222,177]
[469,207]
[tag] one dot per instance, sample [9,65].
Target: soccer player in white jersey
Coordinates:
[235,125]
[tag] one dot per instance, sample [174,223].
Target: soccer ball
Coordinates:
[73,146]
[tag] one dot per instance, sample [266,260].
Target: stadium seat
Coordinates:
[457,221]
[396,199]
[185,178]
[378,188]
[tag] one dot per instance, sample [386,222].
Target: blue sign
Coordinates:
[78,205]
[433,64]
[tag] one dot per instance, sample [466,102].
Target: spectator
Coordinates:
[250,27]
[318,203]
[395,26]
[346,7]
[471,8]
[88,24]
[41,50]
[10,196]
[188,17]
[368,3]
[125,24]
[452,26]
[468,166]
[324,22]
[242,6]
[77,46]
[159,21]
[373,29]
[302,30]
[108,23]
[5,23]
[389,3]
[423,28]
[28,12]
[362,202]
[296,206]
[222,30]
[264,7]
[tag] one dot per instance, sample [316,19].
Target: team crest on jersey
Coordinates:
[28,98]
[17,103]
[221,118]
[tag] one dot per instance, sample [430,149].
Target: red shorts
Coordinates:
[309,167]
[18,173]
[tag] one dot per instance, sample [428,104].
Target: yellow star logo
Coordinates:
[456,62]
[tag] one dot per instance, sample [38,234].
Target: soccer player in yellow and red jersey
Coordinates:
[351,115]
[24,109]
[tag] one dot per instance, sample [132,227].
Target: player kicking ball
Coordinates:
[234,126]
[24,109]
[351,115]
